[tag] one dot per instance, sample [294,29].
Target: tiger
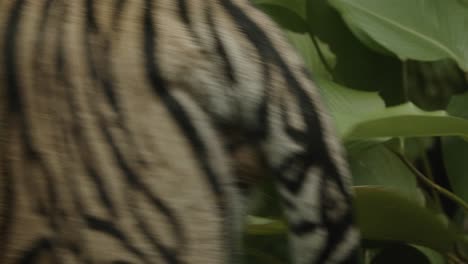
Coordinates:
[125,127]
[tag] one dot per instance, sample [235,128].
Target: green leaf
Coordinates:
[376,165]
[400,254]
[265,226]
[408,121]
[434,257]
[362,115]
[458,105]
[357,66]
[404,253]
[296,6]
[289,14]
[269,245]
[384,215]
[431,85]
[455,151]
[349,107]
[422,30]
[303,43]
[368,41]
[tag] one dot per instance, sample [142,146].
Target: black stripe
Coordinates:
[84,151]
[89,169]
[64,77]
[228,68]
[91,23]
[40,247]
[49,185]
[172,104]
[134,179]
[99,54]
[338,226]
[171,256]
[183,12]
[334,238]
[178,112]
[16,105]
[40,34]
[99,59]
[119,7]
[105,78]
[261,130]
[288,204]
[316,143]
[303,227]
[12,29]
[43,85]
[251,30]
[297,135]
[7,196]
[292,172]
[185,17]
[108,228]
[269,54]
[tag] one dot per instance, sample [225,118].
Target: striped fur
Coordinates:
[121,124]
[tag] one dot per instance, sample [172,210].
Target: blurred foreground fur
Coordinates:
[116,134]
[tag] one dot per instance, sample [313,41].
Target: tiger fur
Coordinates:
[123,126]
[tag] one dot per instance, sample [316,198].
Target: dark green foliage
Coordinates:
[383,68]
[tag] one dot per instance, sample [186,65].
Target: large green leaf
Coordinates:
[376,165]
[399,253]
[357,66]
[455,151]
[348,107]
[431,85]
[418,29]
[408,121]
[458,106]
[289,14]
[384,215]
[266,241]
[296,6]
[434,257]
[303,43]
[363,115]
[265,226]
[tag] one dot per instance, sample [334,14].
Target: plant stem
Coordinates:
[432,184]
[428,173]
[320,54]
[404,70]
[453,259]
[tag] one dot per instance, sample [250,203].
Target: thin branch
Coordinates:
[321,55]
[405,77]
[428,173]
[432,184]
